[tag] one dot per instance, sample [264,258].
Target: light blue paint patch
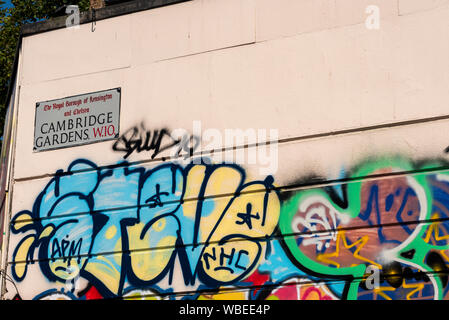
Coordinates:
[337,287]
[79,183]
[338,188]
[242,261]
[69,205]
[208,208]
[115,191]
[280,268]
[279,265]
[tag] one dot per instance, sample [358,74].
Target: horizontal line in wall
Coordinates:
[207,51]
[75,76]
[421,11]
[305,281]
[283,189]
[211,152]
[276,237]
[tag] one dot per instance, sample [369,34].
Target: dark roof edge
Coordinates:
[85,17]
[99,14]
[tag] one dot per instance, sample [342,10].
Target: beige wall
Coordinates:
[207,60]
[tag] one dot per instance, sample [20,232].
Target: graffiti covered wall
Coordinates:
[134,225]
[158,233]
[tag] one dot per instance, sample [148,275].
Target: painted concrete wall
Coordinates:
[358,175]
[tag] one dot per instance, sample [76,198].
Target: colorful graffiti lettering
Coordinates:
[206,232]
[387,222]
[127,225]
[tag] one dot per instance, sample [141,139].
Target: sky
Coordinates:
[7,3]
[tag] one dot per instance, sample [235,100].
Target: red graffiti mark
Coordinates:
[93,294]
[257,279]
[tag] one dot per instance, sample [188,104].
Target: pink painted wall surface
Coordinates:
[356,176]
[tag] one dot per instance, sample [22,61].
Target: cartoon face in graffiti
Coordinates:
[63,225]
[237,242]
